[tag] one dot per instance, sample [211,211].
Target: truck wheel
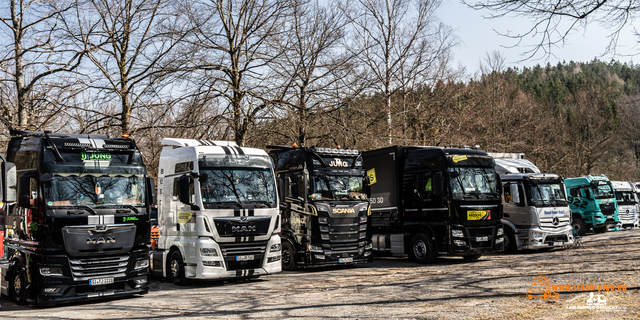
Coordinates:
[579,226]
[18,285]
[510,244]
[472,257]
[422,249]
[176,269]
[288,256]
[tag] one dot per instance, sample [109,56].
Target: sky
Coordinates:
[478,37]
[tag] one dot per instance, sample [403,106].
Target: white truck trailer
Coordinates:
[218,212]
[536,210]
[627,203]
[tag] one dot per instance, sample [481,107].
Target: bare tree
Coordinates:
[311,69]
[553,21]
[34,51]
[233,38]
[130,45]
[399,41]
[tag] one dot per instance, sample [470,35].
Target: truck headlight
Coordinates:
[369,246]
[500,232]
[457,233]
[363,219]
[499,240]
[314,248]
[141,264]
[51,271]
[208,252]
[536,235]
[275,248]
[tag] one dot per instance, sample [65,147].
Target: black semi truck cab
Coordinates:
[324,206]
[431,201]
[79,229]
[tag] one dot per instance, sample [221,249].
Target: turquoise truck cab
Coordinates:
[593,204]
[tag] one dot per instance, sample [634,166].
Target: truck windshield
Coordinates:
[603,191]
[468,182]
[337,188]
[95,190]
[238,185]
[625,197]
[547,194]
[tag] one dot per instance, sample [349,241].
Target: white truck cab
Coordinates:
[218,212]
[627,203]
[535,205]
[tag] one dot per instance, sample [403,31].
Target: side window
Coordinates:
[176,190]
[301,187]
[183,167]
[574,192]
[507,192]
[292,190]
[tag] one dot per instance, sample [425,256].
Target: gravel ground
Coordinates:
[493,287]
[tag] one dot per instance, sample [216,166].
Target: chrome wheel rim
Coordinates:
[175,268]
[420,249]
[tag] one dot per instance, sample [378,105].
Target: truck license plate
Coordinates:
[609,217]
[345,260]
[99,282]
[244,258]
[558,243]
[478,239]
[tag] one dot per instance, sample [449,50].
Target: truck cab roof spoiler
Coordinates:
[175,142]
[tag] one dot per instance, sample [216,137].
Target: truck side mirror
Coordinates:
[151,191]
[438,187]
[9,186]
[184,189]
[24,191]
[515,194]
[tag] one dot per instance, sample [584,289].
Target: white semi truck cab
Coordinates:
[536,209]
[218,212]
[627,203]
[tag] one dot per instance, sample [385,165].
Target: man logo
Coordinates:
[338,211]
[101,240]
[243,228]
[338,163]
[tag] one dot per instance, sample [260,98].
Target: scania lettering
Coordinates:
[433,201]
[80,227]
[324,214]
[217,212]
[593,204]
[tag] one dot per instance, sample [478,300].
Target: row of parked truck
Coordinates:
[78,210]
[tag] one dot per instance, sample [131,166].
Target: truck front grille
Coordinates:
[230,252]
[549,222]
[346,231]
[86,268]
[607,208]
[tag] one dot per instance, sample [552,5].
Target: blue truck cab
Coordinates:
[593,204]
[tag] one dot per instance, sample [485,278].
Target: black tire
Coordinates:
[510,244]
[422,249]
[18,285]
[175,269]
[579,226]
[288,256]
[472,257]
[600,229]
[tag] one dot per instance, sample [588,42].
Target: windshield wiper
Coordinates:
[131,207]
[86,208]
